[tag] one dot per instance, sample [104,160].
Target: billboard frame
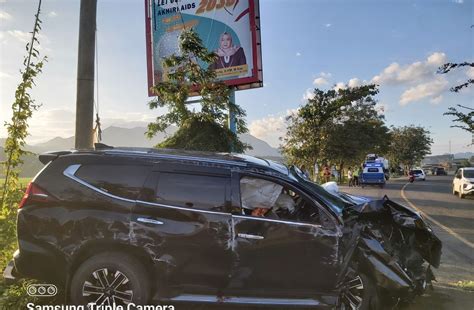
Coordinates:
[254,81]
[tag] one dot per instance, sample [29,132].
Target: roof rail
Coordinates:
[155,153]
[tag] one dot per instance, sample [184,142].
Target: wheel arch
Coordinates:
[93,248]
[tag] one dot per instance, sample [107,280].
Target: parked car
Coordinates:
[143,225]
[373,174]
[440,171]
[419,174]
[463,183]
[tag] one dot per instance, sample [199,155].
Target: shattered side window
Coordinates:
[268,199]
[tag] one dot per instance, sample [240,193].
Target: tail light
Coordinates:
[33,193]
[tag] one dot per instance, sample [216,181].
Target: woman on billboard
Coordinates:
[229,54]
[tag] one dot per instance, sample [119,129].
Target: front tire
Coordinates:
[359,293]
[110,278]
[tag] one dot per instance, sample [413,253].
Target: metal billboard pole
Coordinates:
[85,75]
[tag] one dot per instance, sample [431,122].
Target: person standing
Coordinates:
[326,173]
[350,177]
[356,177]
[316,172]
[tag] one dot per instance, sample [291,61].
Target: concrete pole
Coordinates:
[85,76]
[232,122]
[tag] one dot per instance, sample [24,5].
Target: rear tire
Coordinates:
[110,278]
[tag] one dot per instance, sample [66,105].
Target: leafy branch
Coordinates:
[22,108]
[464,118]
[183,77]
[450,66]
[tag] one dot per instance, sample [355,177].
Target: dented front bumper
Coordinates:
[395,247]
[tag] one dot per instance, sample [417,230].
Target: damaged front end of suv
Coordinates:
[392,245]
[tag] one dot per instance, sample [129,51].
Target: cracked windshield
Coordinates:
[236,154]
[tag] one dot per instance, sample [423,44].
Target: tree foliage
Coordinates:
[466,119]
[409,145]
[184,76]
[22,108]
[337,126]
[14,296]
[450,66]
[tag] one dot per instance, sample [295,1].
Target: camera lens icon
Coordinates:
[31,290]
[42,290]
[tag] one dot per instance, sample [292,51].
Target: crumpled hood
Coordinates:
[386,211]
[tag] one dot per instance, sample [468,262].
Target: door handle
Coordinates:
[249,236]
[149,221]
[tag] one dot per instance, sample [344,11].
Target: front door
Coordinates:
[291,255]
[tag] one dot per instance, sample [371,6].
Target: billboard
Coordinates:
[230,28]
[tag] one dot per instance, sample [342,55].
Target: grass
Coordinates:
[465,285]
[23,182]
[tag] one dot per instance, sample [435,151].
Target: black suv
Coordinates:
[144,226]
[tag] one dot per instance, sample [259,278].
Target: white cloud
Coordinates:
[21,36]
[458,1]
[382,108]
[354,82]
[429,89]
[4,75]
[308,94]
[271,128]
[320,81]
[437,99]
[25,37]
[419,71]
[339,85]
[470,72]
[328,25]
[325,75]
[52,14]
[5,16]
[298,54]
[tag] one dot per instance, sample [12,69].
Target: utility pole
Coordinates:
[85,76]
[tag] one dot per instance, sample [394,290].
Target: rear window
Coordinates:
[120,180]
[417,171]
[372,169]
[193,190]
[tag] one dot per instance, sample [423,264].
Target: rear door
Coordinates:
[291,257]
[182,218]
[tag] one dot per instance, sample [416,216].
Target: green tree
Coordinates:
[409,145]
[14,296]
[359,131]
[325,128]
[466,119]
[206,129]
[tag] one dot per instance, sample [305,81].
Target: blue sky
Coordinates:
[305,44]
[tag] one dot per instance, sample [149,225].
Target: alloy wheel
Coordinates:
[107,287]
[352,296]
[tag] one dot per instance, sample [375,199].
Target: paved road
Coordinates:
[452,219]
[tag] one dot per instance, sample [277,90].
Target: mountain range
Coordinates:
[131,137]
